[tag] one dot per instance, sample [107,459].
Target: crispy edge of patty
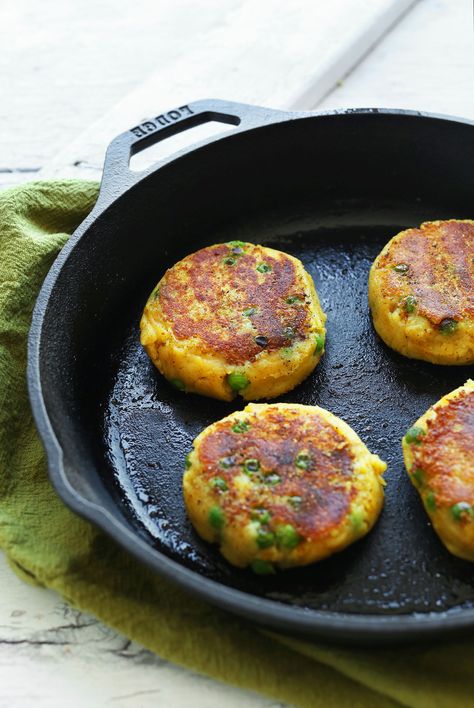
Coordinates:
[436,463]
[408,312]
[271,373]
[238,541]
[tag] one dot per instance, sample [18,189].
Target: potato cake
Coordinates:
[280,485]
[421,292]
[439,456]
[235,318]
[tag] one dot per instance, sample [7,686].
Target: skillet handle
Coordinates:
[118,178]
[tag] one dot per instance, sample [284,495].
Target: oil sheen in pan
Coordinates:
[401,567]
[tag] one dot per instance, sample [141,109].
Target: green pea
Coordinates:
[320,340]
[261,515]
[414,435]
[249,311]
[187,461]
[251,465]
[237,244]
[295,502]
[230,260]
[177,383]
[261,567]
[264,268]
[430,502]
[227,462]
[219,483]
[303,460]
[410,304]
[448,326]
[418,477]
[357,518]
[401,268]
[216,517]
[287,536]
[241,427]
[293,300]
[265,539]
[272,479]
[461,509]
[237,381]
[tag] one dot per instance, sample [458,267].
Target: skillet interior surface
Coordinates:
[125,430]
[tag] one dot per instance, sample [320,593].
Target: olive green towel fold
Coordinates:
[48,544]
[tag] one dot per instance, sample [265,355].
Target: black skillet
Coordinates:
[332,189]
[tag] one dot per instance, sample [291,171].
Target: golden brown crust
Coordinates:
[439,457]
[440,269]
[205,294]
[281,485]
[446,453]
[320,478]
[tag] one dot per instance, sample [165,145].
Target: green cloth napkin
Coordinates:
[47,544]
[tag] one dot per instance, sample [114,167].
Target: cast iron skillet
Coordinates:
[332,189]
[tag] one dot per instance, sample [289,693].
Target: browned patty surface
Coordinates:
[448,447]
[440,260]
[227,290]
[275,441]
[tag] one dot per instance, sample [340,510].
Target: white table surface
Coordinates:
[51,654]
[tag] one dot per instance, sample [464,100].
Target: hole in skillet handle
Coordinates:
[117,176]
[170,132]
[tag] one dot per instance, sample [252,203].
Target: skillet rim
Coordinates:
[338,626]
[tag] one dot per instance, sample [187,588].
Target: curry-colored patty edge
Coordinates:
[438,452]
